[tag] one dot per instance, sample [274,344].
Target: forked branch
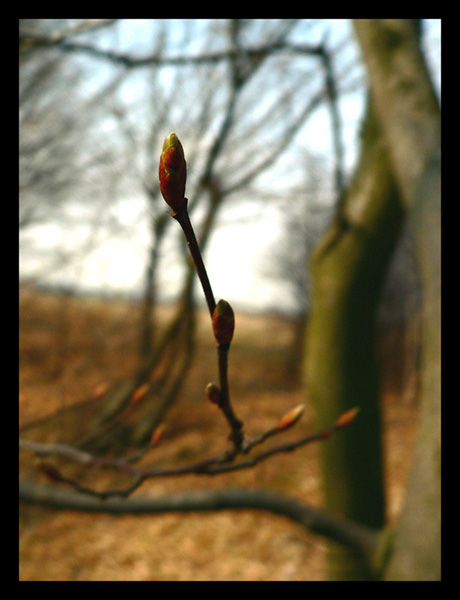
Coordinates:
[214,465]
[172,175]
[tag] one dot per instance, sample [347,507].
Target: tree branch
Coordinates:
[130,61]
[29,39]
[213,465]
[356,537]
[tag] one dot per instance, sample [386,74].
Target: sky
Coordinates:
[235,275]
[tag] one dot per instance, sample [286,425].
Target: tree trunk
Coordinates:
[348,270]
[409,115]
[399,173]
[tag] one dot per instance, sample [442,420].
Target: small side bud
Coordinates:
[213,393]
[173,172]
[140,392]
[100,390]
[347,417]
[157,435]
[223,322]
[290,418]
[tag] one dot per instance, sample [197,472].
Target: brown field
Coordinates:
[69,346]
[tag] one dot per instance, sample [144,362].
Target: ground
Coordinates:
[69,348]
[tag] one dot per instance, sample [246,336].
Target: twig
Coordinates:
[130,61]
[222,463]
[355,536]
[182,217]
[173,176]
[225,405]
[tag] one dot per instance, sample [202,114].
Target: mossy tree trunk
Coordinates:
[409,115]
[397,178]
[348,270]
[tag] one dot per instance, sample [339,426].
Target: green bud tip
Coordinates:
[173,172]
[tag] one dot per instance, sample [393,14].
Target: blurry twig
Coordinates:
[29,38]
[214,465]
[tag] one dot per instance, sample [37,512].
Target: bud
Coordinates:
[223,322]
[213,393]
[173,172]
[157,435]
[346,418]
[100,390]
[140,392]
[291,417]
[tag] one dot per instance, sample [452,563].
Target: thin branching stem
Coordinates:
[182,217]
[222,318]
[224,404]
[214,465]
[236,425]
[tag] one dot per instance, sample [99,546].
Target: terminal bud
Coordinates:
[290,418]
[173,173]
[223,322]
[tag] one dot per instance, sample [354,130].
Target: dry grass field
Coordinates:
[69,347]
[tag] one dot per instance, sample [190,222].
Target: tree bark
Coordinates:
[348,269]
[409,115]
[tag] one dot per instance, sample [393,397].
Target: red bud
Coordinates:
[140,392]
[173,172]
[347,417]
[223,322]
[157,435]
[291,417]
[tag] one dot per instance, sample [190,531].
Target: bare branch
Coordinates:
[160,60]
[209,466]
[355,536]
[29,38]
